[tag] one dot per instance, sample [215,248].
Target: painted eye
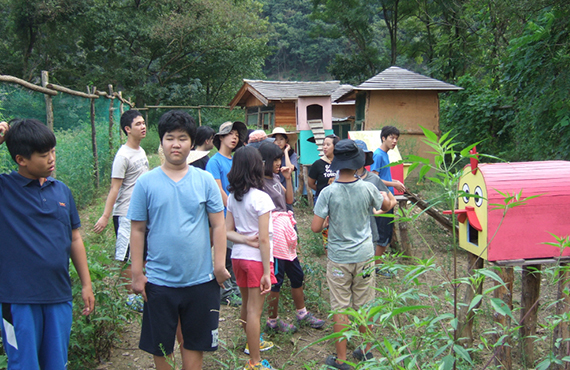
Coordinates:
[479,194]
[466,190]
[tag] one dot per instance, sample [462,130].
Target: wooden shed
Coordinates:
[296,106]
[403,99]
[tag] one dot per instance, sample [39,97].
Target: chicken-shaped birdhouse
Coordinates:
[520,233]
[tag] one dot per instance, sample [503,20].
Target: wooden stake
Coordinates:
[529,313]
[94,139]
[404,238]
[49,103]
[121,111]
[465,331]
[111,100]
[561,345]
[503,353]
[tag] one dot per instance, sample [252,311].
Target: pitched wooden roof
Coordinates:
[396,78]
[266,91]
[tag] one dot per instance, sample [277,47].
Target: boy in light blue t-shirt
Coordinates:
[176,202]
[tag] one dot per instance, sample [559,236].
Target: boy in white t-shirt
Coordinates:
[129,164]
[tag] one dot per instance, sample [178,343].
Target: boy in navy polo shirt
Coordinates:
[39,225]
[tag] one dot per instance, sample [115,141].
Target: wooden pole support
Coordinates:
[465,331]
[503,357]
[529,311]
[561,345]
[94,137]
[404,237]
[49,103]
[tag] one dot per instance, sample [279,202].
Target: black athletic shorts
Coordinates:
[198,308]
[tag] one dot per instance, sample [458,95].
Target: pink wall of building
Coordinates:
[303,103]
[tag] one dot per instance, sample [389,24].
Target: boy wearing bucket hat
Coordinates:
[376,223]
[230,136]
[350,273]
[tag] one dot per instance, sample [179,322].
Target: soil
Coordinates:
[299,351]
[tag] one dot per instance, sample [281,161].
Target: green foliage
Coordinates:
[74,162]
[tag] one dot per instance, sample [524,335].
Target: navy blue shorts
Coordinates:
[385,229]
[198,308]
[293,270]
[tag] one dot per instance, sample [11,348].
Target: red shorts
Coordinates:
[248,273]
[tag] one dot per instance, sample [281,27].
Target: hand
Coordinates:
[287,148]
[326,223]
[88,300]
[286,172]
[3,130]
[265,284]
[399,186]
[138,285]
[377,212]
[221,274]
[252,240]
[101,224]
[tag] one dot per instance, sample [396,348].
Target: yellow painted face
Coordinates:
[470,238]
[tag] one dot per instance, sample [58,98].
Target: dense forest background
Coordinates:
[511,56]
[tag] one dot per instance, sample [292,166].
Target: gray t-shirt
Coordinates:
[349,207]
[128,165]
[376,181]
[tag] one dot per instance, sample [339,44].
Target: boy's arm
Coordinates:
[79,259]
[395,183]
[218,232]
[317,224]
[388,202]
[264,249]
[111,199]
[3,129]
[224,195]
[138,230]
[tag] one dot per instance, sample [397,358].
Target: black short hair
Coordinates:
[27,136]
[203,133]
[128,117]
[269,153]
[175,120]
[389,130]
[335,139]
[246,172]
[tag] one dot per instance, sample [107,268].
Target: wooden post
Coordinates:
[301,183]
[49,103]
[465,331]
[309,190]
[199,117]
[529,313]
[259,119]
[94,138]
[111,100]
[503,353]
[121,111]
[560,344]
[404,238]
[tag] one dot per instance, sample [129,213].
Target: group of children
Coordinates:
[175,214]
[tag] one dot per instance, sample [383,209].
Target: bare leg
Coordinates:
[363,329]
[298,297]
[161,362]
[126,277]
[192,360]
[254,309]
[340,322]
[380,250]
[243,312]
[273,305]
